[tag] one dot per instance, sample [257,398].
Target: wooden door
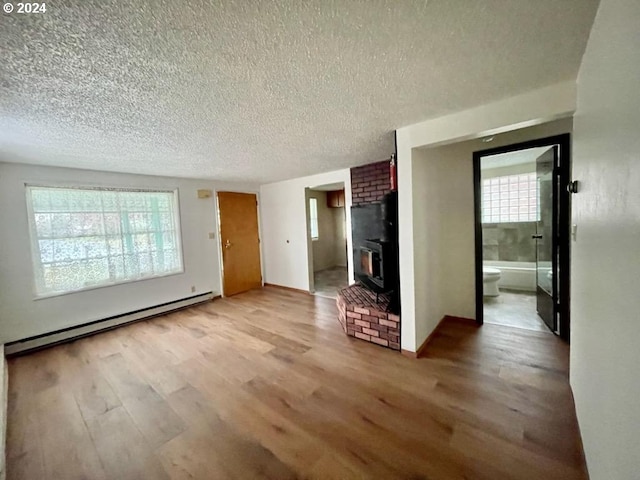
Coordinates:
[240,242]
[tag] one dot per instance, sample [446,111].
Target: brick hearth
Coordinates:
[364,318]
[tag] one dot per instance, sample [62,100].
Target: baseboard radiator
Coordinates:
[71,333]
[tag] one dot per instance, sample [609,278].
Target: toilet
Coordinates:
[490,277]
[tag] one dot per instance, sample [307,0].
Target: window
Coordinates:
[313,218]
[90,237]
[511,198]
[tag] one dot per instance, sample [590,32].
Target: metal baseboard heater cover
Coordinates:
[72,333]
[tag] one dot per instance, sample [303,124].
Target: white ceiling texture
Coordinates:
[261,90]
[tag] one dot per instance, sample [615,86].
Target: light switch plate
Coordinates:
[212,235]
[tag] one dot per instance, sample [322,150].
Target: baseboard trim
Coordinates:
[72,333]
[580,442]
[291,289]
[423,346]
[461,319]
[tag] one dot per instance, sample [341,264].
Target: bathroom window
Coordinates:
[85,237]
[511,198]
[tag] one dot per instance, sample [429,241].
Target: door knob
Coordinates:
[572,187]
[227,244]
[536,236]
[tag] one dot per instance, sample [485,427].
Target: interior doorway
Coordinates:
[522,235]
[327,231]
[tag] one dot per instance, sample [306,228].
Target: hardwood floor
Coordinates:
[266,385]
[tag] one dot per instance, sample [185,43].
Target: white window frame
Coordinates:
[38,282]
[313,219]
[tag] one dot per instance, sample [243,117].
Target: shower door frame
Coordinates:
[561,242]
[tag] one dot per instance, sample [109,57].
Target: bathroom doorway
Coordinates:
[522,235]
[327,230]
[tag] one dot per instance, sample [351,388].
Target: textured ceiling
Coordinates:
[263,90]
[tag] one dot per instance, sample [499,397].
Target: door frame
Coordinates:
[308,194]
[218,235]
[310,259]
[564,219]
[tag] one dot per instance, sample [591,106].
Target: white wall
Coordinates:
[533,108]
[4,399]
[428,285]
[21,316]
[285,239]
[340,246]
[324,248]
[443,227]
[451,171]
[605,306]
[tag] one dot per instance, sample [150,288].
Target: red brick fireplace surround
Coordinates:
[369,183]
[364,318]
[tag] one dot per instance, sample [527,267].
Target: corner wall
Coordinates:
[340,246]
[285,235]
[532,108]
[605,306]
[429,277]
[324,248]
[443,222]
[4,399]
[21,316]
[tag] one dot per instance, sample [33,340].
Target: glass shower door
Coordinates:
[545,236]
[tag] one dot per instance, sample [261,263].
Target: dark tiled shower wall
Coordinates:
[509,242]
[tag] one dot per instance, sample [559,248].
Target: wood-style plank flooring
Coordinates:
[266,385]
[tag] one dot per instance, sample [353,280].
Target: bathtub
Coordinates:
[515,275]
